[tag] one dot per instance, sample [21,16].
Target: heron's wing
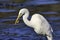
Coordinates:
[45,23]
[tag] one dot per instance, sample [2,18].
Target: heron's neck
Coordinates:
[25,18]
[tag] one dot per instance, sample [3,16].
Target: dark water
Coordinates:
[10,31]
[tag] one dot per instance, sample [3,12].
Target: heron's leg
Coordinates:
[49,37]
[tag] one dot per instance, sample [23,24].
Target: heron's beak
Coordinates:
[17,20]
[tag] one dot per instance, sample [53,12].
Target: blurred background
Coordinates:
[9,9]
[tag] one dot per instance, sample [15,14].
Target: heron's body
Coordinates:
[38,23]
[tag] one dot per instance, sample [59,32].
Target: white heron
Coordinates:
[37,22]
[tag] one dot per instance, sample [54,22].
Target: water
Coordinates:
[20,31]
[10,31]
[40,2]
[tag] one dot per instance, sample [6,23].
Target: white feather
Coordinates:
[38,23]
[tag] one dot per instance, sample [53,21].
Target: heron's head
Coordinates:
[21,12]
